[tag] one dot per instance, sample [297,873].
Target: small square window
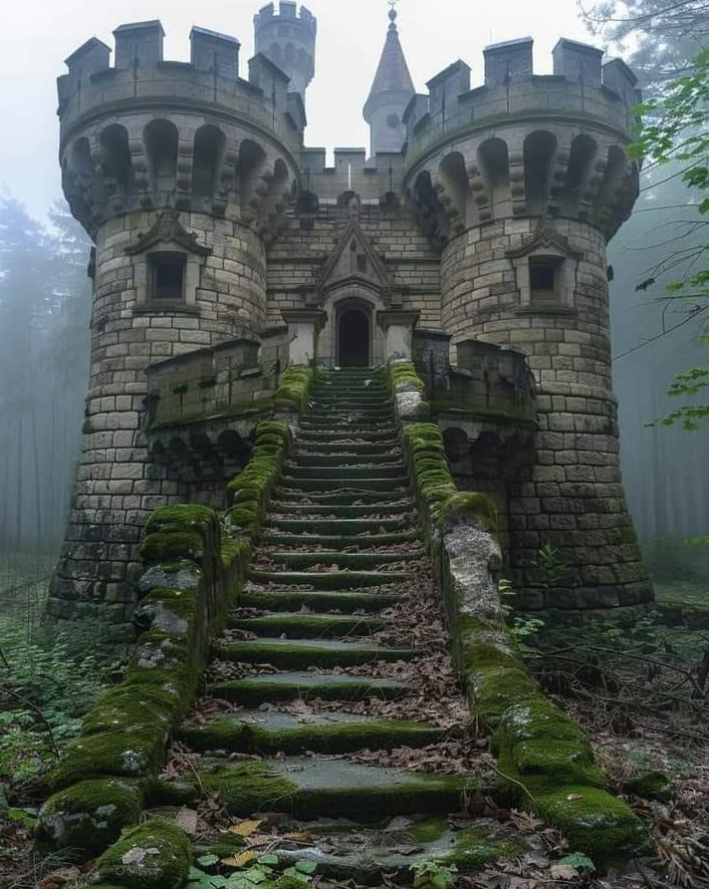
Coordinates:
[544,280]
[167,278]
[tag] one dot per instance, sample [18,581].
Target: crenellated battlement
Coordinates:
[288,15]
[581,87]
[288,40]
[141,76]
[523,144]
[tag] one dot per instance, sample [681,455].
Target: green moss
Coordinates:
[249,788]
[228,845]
[88,817]
[473,851]
[166,546]
[429,831]
[594,822]
[380,734]
[132,707]
[471,509]
[156,855]
[653,785]
[134,752]
[404,372]
[290,883]
[295,384]
[185,516]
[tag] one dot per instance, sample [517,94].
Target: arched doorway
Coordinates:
[354,337]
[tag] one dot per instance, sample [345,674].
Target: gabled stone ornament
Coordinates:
[354,260]
[546,237]
[168,229]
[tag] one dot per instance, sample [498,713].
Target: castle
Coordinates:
[471,239]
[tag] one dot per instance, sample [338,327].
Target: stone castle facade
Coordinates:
[472,238]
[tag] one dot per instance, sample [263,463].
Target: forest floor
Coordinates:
[640,692]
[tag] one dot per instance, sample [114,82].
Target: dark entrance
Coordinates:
[354,339]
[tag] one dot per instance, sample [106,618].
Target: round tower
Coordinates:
[391,92]
[179,173]
[288,40]
[521,201]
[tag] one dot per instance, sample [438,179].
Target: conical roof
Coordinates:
[393,72]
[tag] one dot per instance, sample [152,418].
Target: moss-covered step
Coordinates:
[253,731]
[361,561]
[297,625]
[362,853]
[294,654]
[321,403]
[385,457]
[332,580]
[343,436]
[378,500]
[334,449]
[362,540]
[312,787]
[297,471]
[353,528]
[358,416]
[304,511]
[344,427]
[319,601]
[252,691]
[370,482]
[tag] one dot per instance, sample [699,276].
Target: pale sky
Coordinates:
[36,39]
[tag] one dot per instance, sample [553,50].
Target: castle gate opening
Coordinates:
[354,338]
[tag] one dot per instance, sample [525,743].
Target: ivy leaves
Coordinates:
[254,876]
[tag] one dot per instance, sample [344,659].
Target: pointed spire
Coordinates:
[393,73]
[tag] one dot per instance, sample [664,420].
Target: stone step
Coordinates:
[297,625]
[362,561]
[347,460]
[253,731]
[329,415]
[312,787]
[363,541]
[340,472]
[375,483]
[332,580]
[340,498]
[391,854]
[307,449]
[340,436]
[294,654]
[345,527]
[347,426]
[346,401]
[253,691]
[306,511]
[319,601]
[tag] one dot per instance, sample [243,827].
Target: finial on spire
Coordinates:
[393,14]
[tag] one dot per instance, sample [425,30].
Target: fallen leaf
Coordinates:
[572,796]
[563,872]
[59,878]
[187,820]
[245,828]
[240,860]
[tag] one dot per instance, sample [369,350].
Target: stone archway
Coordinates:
[354,337]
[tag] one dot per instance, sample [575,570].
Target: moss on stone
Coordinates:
[594,822]
[380,734]
[473,851]
[87,817]
[134,752]
[466,508]
[290,883]
[249,787]
[156,855]
[429,831]
[145,707]
[185,516]
[166,546]
[402,373]
[295,384]
[651,784]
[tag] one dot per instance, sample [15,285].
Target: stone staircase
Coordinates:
[308,662]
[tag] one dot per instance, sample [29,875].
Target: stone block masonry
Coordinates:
[485,220]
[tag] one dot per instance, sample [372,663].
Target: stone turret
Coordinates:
[180,172]
[521,201]
[391,92]
[288,40]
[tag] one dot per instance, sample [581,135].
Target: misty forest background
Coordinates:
[45,309]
